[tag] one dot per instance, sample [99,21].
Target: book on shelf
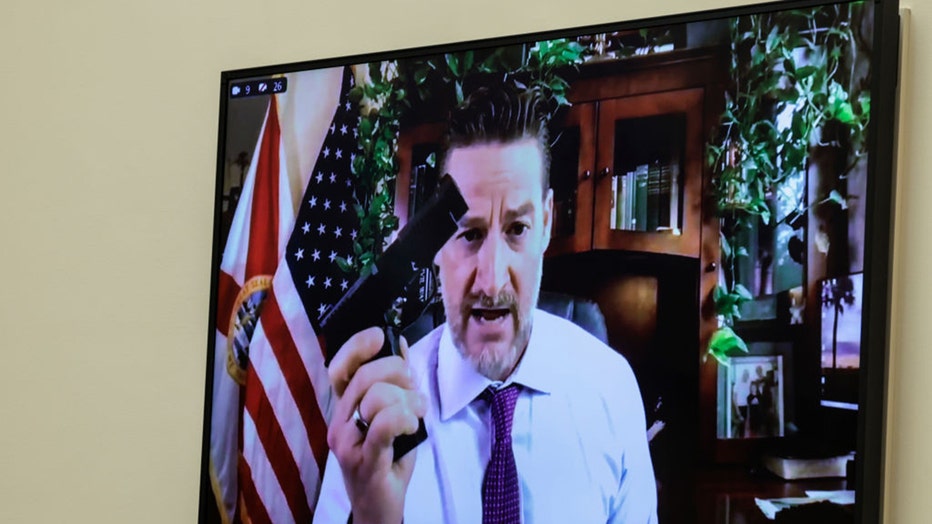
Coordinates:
[647,198]
[641,175]
[621,210]
[613,220]
[674,195]
[652,209]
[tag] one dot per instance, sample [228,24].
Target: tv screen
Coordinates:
[669,238]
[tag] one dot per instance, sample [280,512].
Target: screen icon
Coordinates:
[263,86]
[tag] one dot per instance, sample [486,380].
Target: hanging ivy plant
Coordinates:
[794,75]
[386,98]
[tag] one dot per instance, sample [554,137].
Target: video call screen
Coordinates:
[713,180]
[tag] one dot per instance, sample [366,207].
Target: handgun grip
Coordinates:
[404,443]
[392,344]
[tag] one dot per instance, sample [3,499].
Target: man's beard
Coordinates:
[492,360]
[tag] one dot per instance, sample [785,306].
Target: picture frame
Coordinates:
[754,403]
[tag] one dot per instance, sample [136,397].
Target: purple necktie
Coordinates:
[500,500]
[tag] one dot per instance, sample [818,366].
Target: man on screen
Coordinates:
[530,418]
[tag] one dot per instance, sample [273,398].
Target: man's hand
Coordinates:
[387,398]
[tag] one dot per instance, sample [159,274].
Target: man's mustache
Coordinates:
[503,300]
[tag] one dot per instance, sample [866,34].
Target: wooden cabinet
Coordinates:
[641,113]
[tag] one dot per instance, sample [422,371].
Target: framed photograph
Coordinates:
[754,405]
[841,300]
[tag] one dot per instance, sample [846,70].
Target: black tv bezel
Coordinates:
[881,142]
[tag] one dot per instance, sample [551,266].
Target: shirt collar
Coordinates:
[459,383]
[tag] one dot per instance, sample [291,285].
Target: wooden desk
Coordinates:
[726,496]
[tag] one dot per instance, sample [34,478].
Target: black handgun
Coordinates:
[372,295]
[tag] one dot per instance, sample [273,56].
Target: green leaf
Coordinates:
[820,99]
[794,156]
[468,59]
[558,85]
[431,160]
[375,72]
[845,113]
[798,125]
[743,293]
[420,75]
[773,38]
[355,94]
[359,164]
[572,52]
[864,99]
[453,62]
[764,213]
[726,305]
[365,127]
[725,341]
[757,58]
[805,71]
[837,197]
[343,264]
[717,293]
[726,246]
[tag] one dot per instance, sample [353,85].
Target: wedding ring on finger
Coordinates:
[360,422]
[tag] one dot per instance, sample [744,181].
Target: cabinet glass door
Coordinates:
[572,154]
[649,178]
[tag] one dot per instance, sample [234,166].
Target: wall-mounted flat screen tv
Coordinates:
[633,272]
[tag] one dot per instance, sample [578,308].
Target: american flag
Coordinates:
[287,391]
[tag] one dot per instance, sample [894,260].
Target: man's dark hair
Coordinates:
[501,114]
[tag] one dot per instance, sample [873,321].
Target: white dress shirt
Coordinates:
[579,435]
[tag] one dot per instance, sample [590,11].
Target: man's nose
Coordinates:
[492,268]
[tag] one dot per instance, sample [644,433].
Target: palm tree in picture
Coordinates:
[837,293]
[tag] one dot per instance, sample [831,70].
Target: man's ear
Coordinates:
[548,217]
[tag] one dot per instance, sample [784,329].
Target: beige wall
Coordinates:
[108,125]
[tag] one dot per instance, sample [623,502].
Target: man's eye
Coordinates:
[518,229]
[471,235]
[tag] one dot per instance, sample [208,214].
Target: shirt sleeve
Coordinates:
[636,499]
[333,506]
